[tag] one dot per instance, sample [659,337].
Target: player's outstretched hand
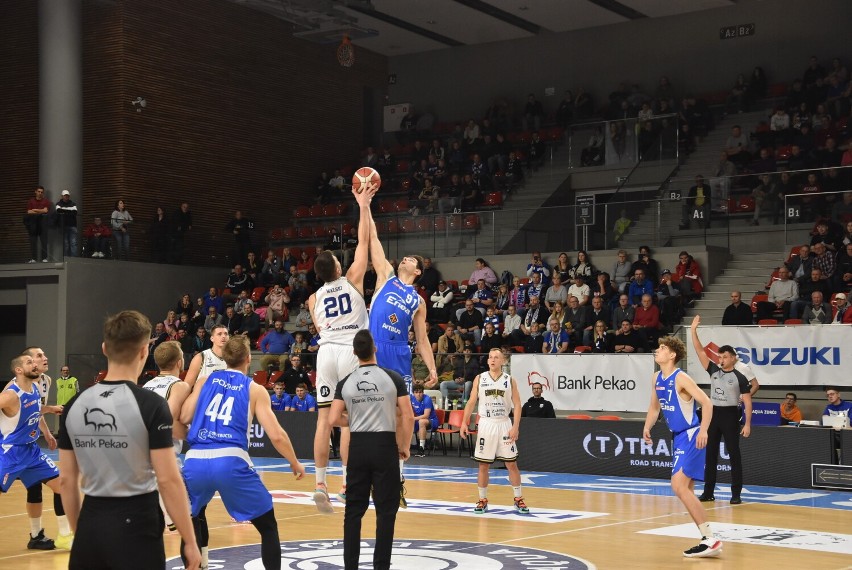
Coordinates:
[696,320]
[298,469]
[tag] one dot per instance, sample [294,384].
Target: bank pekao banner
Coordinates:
[612,382]
[797,355]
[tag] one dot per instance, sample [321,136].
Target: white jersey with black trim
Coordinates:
[339,312]
[495,396]
[162,385]
[210,363]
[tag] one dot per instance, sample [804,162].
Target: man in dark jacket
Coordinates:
[536,406]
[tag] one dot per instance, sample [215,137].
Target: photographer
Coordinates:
[540,267]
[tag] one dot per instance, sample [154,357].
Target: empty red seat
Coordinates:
[401,205]
[290,233]
[315,211]
[402,166]
[493,200]
[440,223]
[320,231]
[301,212]
[393,226]
[471,222]
[455,221]
[305,232]
[257,294]
[407,225]
[423,224]
[386,206]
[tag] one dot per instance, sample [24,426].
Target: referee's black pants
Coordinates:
[373,463]
[725,423]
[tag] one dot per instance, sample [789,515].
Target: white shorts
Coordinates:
[492,442]
[334,363]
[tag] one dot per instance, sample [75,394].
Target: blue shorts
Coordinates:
[433,425]
[243,493]
[688,458]
[27,463]
[397,357]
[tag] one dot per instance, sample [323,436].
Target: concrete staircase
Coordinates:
[658,225]
[746,272]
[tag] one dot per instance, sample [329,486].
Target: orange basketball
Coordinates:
[364,176]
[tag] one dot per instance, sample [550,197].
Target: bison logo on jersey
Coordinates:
[99,419]
[365,386]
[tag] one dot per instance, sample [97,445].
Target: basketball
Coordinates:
[364,176]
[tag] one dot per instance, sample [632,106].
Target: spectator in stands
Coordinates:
[813,202]
[623,310]
[490,339]
[817,311]
[533,113]
[665,91]
[538,265]
[533,342]
[737,147]
[241,228]
[275,346]
[621,271]
[465,369]
[518,295]
[824,261]
[816,283]
[565,109]
[305,263]
[323,189]
[181,224]
[449,344]
[66,220]
[298,285]
[512,322]
[481,295]
[213,299]
[790,412]
[536,313]
[370,159]
[449,198]
[536,152]
[482,271]
[641,285]
[213,319]
[429,278]
[626,340]
[276,301]
[766,197]
[646,263]
[583,267]
[593,153]
[471,193]
[737,313]
[836,406]
[697,205]
[337,182]
[303,319]
[184,306]
[584,106]
[250,327]
[233,320]
[535,287]
[471,133]
[470,322]
[782,293]
[501,301]
[578,289]
[562,268]
[120,223]
[558,312]
[597,312]
[829,237]
[97,236]
[800,264]
[195,344]
[558,292]
[270,268]
[647,322]
[556,340]
[442,301]
[576,317]
[687,275]
[238,281]
[669,299]
[844,260]
[603,287]
[303,402]
[252,268]
[765,161]
[840,310]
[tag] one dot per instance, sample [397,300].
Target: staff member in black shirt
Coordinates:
[536,406]
[380,442]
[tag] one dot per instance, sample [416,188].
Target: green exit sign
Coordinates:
[731,32]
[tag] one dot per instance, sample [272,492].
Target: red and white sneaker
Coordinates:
[704,549]
[322,499]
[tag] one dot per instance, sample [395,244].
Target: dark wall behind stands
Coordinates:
[685,48]
[239,115]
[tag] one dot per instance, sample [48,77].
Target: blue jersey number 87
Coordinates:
[335,306]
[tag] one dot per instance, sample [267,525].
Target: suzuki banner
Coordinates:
[587,381]
[816,355]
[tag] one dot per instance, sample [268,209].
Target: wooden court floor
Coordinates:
[608,530]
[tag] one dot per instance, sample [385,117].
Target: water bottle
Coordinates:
[456,405]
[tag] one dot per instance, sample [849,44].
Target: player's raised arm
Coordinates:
[380,263]
[356,271]
[696,343]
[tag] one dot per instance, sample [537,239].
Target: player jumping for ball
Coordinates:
[339,311]
[678,395]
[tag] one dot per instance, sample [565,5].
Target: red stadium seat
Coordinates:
[407,225]
[257,294]
[455,221]
[471,222]
[393,226]
[423,224]
[386,206]
[402,166]
[440,223]
[581,349]
[401,205]
[757,299]
[290,233]
[276,234]
[767,322]
[578,417]
[794,322]
[320,231]
[610,418]
[301,212]
[305,232]
[316,211]
[296,252]
[493,200]
[260,377]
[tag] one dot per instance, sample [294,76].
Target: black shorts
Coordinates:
[124,532]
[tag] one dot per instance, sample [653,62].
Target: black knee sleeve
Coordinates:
[34,493]
[57,505]
[270,547]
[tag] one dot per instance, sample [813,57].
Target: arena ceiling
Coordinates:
[397,27]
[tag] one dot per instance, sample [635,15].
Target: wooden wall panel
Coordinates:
[18,122]
[240,115]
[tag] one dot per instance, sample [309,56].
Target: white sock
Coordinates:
[344,474]
[401,463]
[704,528]
[35,526]
[64,527]
[483,492]
[517,491]
[205,560]
[321,474]
[422,444]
